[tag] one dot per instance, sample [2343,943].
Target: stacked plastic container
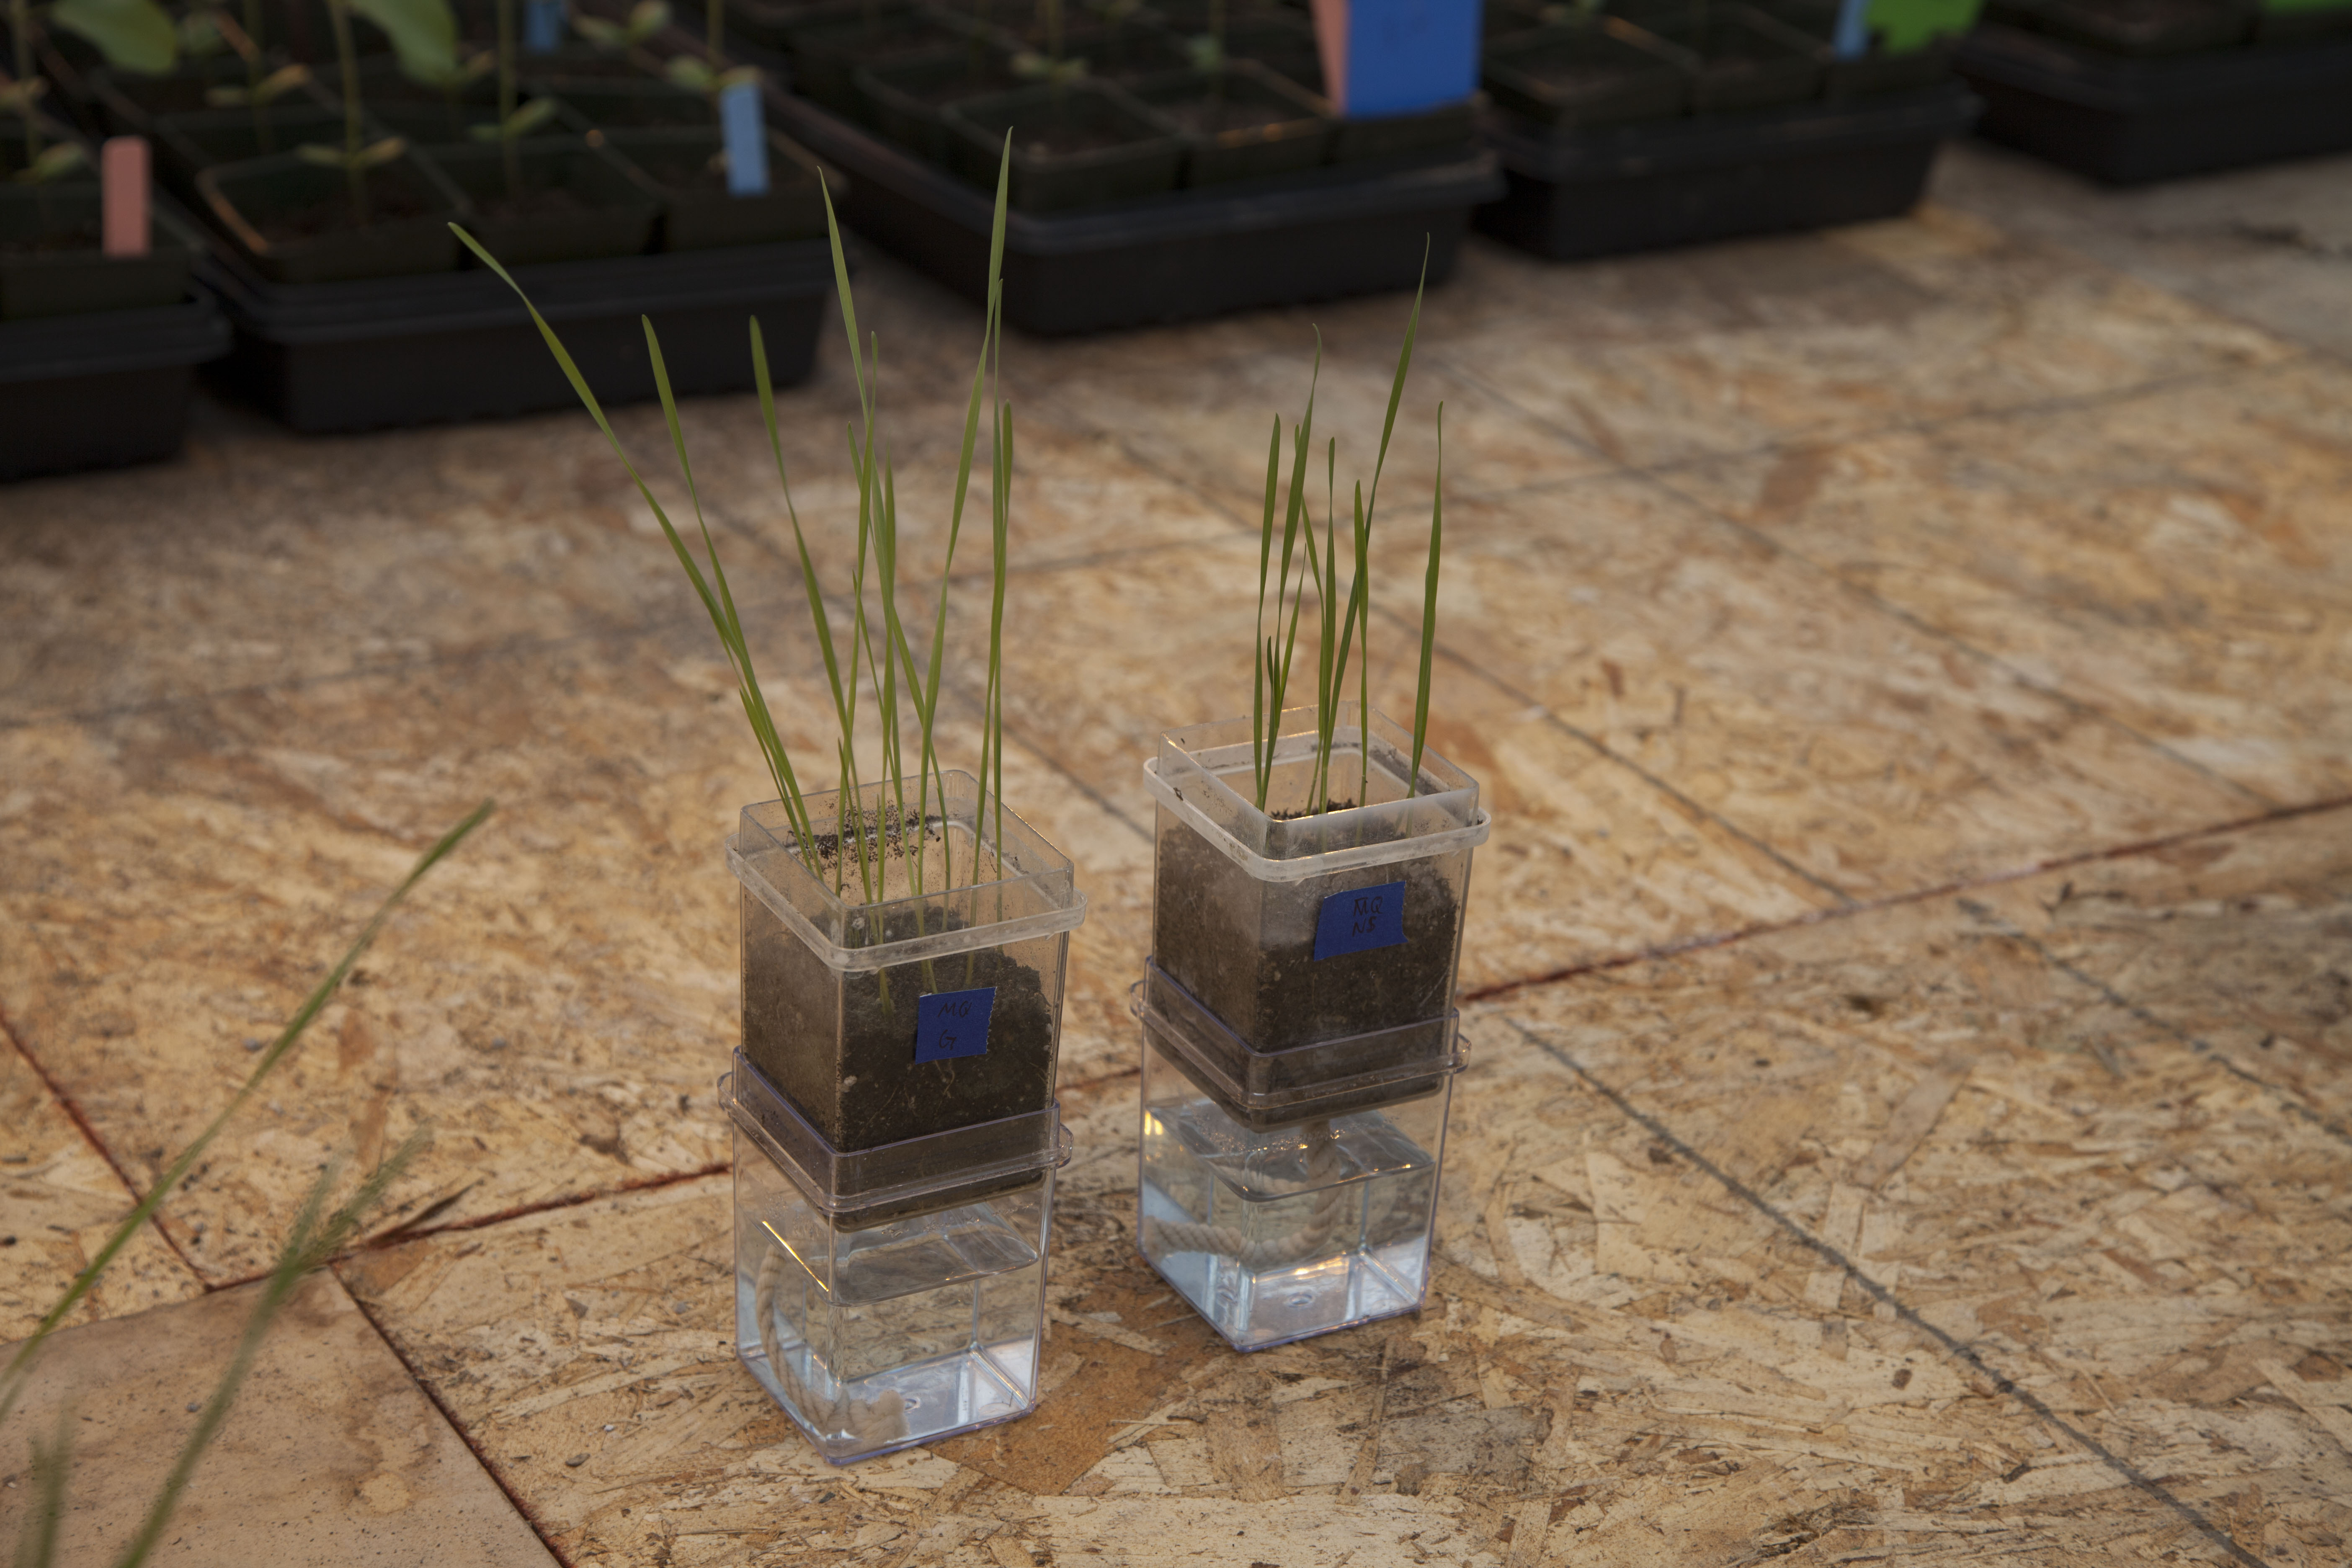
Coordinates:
[1299,1033]
[896,1130]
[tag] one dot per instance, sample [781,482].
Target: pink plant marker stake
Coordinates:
[123,186]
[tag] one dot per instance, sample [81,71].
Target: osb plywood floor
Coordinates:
[1909,989]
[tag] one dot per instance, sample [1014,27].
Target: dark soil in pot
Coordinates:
[1749,61]
[862,1087]
[129,102]
[1879,72]
[559,200]
[2149,27]
[827,55]
[906,101]
[1281,996]
[1080,144]
[51,263]
[630,105]
[1445,129]
[686,171]
[1600,75]
[188,144]
[297,222]
[1240,123]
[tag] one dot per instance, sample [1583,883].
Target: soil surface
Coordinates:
[56,241]
[1067,138]
[387,203]
[1202,117]
[1280,995]
[544,202]
[841,1047]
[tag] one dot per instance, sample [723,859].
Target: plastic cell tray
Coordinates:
[1644,186]
[1328,233]
[100,390]
[397,352]
[2131,121]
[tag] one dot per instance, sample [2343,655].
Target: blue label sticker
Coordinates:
[743,122]
[1361,919]
[953,1024]
[543,24]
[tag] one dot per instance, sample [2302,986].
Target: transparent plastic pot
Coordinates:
[890,1295]
[1295,930]
[1279,1214]
[935,1004]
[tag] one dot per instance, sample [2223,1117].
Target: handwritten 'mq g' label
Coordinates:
[953,1024]
[1359,920]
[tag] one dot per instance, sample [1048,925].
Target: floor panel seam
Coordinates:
[88,1131]
[1897,901]
[514,1499]
[1964,1353]
[2196,1045]
[1990,660]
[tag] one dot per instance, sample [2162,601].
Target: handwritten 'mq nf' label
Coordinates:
[953,1024]
[1359,920]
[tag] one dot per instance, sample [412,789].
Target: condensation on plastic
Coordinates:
[1189,777]
[844,1185]
[1038,897]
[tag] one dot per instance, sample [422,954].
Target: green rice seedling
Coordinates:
[1343,624]
[425,37]
[20,1365]
[871,664]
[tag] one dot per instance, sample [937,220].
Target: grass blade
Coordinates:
[21,1364]
[1429,610]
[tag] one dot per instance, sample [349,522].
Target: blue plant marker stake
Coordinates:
[1359,920]
[953,1024]
[1851,39]
[744,122]
[542,27]
[1405,55]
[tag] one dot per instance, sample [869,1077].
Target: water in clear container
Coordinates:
[884,1335]
[1274,1235]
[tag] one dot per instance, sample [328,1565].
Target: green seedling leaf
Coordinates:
[691,74]
[54,163]
[378,153]
[19,97]
[12,1379]
[518,124]
[599,33]
[273,87]
[324,157]
[199,36]
[1031,66]
[647,18]
[134,35]
[1206,51]
[1429,610]
[422,33]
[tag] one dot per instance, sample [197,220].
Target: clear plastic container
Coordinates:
[1295,930]
[891,1296]
[844,996]
[1294,1209]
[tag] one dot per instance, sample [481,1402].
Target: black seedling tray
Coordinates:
[1357,228]
[2130,120]
[100,390]
[458,346]
[1607,190]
